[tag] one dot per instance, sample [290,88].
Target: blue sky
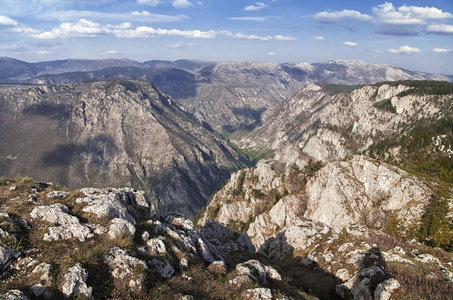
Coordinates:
[417,35]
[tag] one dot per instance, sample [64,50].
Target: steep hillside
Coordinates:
[112,133]
[329,122]
[58,243]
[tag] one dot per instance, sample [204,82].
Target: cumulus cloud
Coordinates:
[338,16]
[182,3]
[408,15]
[440,29]
[440,50]
[256,19]
[83,28]
[7,21]
[398,21]
[405,49]
[257,6]
[349,43]
[284,38]
[320,38]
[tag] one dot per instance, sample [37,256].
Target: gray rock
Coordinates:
[258,294]
[68,231]
[222,238]
[218,267]
[57,194]
[145,236]
[108,207]
[13,295]
[255,270]
[7,256]
[44,270]
[120,227]
[385,289]
[156,246]
[75,282]
[163,268]
[56,214]
[121,264]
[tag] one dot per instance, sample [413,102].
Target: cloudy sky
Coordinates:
[414,34]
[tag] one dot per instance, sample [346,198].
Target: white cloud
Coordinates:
[147,32]
[440,28]
[272,53]
[338,16]
[440,50]
[149,2]
[6,21]
[257,6]
[182,3]
[112,52]
[180,45]
[256,19]
[249,37]
[405,49]
[43,52]
[349,43]
[83,28]
[284,38]
[408,15]
[320,38]
[157,18]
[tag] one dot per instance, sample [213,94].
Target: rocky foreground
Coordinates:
[103,244]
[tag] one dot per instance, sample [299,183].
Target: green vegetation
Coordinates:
[436,228]
[422,87]
[418,153]
[386,105]
[312,167]
[334,89]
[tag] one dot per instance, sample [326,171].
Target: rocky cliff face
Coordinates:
[227,95]
[265,201]
[328,124]
[112,133]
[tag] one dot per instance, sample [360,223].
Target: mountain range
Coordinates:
[227,95]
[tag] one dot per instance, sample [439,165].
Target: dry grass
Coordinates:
[420,282]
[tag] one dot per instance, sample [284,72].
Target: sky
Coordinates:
[413,34]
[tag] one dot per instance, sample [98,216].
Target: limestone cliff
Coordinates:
[263,201]
[327,123]
[112,133]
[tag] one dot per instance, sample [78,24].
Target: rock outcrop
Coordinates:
[168,257]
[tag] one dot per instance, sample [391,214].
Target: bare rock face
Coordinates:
[224,238]
[75,282]
[363,191]
[115,133]
[7,256]
[330,125]
[69,226]
[120,227]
